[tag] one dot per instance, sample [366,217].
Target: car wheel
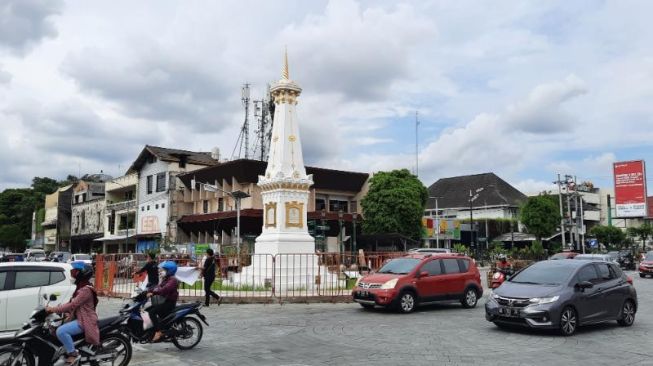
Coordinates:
[367,306]
[568,321]
[469,299]
[407,302]
[627,314]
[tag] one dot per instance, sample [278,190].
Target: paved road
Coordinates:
[345,334]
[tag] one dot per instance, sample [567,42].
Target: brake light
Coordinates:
[629,279]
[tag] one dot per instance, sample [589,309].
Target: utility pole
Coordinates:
[571,237]
[562,215]
[416,143]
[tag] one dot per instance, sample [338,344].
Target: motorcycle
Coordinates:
[499,276]
[627,262]
[179,327]
[36,344]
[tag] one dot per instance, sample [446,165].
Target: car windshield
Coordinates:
[82,257]
[400,265]
[550,273]
[649,257]
[39,254]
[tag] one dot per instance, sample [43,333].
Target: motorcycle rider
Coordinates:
[82,312]
[503,263]
[168,289]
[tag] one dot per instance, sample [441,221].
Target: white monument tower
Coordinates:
[285,186]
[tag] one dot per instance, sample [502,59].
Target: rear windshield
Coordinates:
[559,256]
[649,257]
[400,265]
[82,257]
[552,273]
[589,257]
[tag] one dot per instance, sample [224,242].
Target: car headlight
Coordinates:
[543,300]
[390,284]
[496,276]
[358,280]
[493,295]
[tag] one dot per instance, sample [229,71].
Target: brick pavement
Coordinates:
[345,334]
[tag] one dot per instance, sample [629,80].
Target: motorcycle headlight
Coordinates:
[390,284]
[496,276]
[543,300]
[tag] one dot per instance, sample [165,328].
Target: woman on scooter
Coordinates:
[81,309]
[168,290]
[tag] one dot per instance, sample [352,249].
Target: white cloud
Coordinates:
[24,23]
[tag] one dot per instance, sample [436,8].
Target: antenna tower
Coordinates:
[245,131]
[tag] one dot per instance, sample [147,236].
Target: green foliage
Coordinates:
[610,236]
[540,215]
[459,248]
[394,204]
[11,236]
[642,233]
[16,208]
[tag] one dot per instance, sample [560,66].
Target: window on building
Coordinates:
[151,159]
[111,219]
[83,225]
[182,161]
[353,206]
[148,207]
[220,204]
[129,195]
[143,209]
[156,207]
[99,220]
[149,184]
[205,206]
[337,205]
[320,204]
[161,182]
[163,205]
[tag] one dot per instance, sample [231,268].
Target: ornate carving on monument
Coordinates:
[295,214]
[271,214]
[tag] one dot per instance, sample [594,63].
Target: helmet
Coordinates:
[170,267]
[81,271]
[502,257]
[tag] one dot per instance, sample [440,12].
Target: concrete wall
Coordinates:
[94,218]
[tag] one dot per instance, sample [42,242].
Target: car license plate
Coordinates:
[511,312]
[364,294]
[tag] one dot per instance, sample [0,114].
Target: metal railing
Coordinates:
[253,277]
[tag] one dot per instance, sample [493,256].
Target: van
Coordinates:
[35,255]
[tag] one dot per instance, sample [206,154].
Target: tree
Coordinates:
[610,236]
[394,204]
[12,237]
[642,233]
[540,215]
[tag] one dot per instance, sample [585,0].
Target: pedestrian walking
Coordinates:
[152,271]
[208,271]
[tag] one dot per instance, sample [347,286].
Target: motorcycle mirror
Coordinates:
[45,296]
[53,297]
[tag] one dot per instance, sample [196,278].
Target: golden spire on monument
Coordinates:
[285,90]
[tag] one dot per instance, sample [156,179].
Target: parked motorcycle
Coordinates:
[627,261]
[179,327]
[36,344]
[499,276]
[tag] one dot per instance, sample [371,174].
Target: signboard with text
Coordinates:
[630,188]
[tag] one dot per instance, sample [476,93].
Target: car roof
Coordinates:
[566,262]
[422,255]
[35,264]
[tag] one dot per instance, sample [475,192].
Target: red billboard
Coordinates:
[630,188]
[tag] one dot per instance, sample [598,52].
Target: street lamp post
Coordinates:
[472,198]
[354,244]
[237,196]
[323,240]
[342,246]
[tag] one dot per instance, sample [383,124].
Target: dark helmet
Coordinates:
[81,271]
[170,267]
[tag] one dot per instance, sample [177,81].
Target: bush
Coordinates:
[460,248]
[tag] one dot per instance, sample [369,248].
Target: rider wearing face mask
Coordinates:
[82,312]
[168,289]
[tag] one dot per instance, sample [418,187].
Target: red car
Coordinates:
[646,265]
[418,279]
[564,255]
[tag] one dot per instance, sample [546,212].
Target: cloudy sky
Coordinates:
[523,89]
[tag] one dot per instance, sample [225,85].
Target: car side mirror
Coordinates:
[423,274]
[584,285]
